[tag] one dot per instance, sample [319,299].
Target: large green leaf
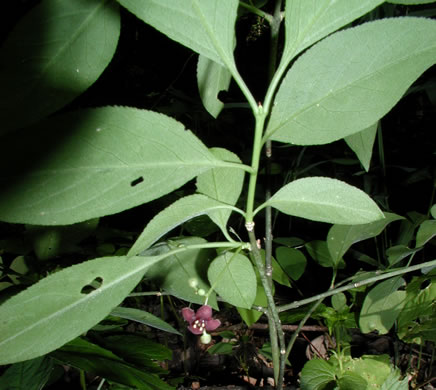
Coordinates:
[97,360]
[222,184]
[205,26]
[180,211]
[325,200]
[174,273]
[212,78]
[350,80]
[95,162]
[362,144]
[341,237]
[307,21]
[65,304]
[54,54]
[382,306]
[233,277]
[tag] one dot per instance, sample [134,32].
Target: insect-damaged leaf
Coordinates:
[95,162]
[65,304]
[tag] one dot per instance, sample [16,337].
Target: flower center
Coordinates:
[199,324]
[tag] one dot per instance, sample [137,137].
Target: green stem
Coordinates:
[148,293]
[273,327]
[257,147]
[256,11]
[275,350]
[272,308]
[300,326]
[228,164]
[350,286]
[274,40]
[82,380]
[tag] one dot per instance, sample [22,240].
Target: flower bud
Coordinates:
[193,282]
[201,292]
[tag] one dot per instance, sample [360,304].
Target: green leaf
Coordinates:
[362,144]
[99,361]
[212,78]
[350,80]
[52,241]
[251,316]
[65,304]
[55,53]
[207,27]
[137,349]
[20,267]
[173,273]
[95,162]
[352,381]
[341,237]
[316,375]
[399,252]
[433,211]
[319,252]
[308,21]
[420,298]
[30,375]
[180,211]
[382,306]
[143,317]
[222,184]
[339,301]
[426,231]
[233,278]
[325,200]
[393,382]
[374,369]
[292,261]
[221,349]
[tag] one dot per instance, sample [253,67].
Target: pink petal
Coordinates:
[212,324]
[204,313]
[194,330]
[188,314]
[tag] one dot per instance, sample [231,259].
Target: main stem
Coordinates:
[277,337]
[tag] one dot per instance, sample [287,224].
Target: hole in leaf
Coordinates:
[94,285]
[425,284]
[137,181]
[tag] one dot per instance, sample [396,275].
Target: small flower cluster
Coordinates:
[201,322]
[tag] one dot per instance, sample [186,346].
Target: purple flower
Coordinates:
[200,321]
